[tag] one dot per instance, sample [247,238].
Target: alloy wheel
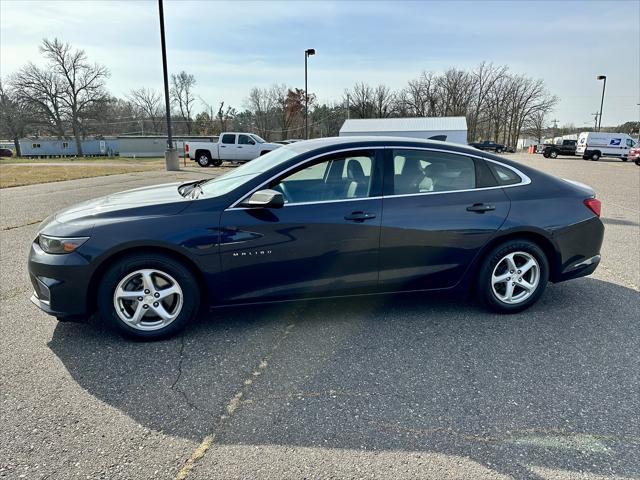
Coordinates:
[148,299]
[515,278]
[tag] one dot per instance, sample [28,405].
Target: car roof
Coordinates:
[374,140]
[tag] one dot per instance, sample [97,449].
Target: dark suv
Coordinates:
[489,145]
[567,147]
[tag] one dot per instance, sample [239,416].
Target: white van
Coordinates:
[593,145]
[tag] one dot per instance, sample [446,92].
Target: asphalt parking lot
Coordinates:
[390,387]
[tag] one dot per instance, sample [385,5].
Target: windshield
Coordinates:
[229,181]
[257,138]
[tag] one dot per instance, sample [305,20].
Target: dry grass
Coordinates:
[14,175]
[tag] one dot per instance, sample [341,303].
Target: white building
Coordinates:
[450,129]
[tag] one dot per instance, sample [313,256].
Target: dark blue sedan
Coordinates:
[321,218]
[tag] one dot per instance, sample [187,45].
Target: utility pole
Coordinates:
[307,53]
[170,154]
[595,116]
[604,85]
[348,107]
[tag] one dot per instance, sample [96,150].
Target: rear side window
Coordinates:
[422,171]
[504,175]
[229,138]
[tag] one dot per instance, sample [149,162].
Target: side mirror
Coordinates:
[264,199]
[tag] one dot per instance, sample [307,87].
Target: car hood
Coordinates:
[154,200]
[272,145]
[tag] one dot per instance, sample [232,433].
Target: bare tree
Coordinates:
[150,105]
[260,104]
[43,90]
[182,95]
[83,84]
[15,115]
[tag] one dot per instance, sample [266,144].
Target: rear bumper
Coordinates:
[581,269]
[579,248]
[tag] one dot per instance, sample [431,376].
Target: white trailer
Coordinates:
[449,129]
[594,145]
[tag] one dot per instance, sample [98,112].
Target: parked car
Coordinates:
[305,221]
[489,146]
[5,152]
[231,146]
[594,145]
[634,155]
[565,147]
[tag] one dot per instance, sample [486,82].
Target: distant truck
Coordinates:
[595,145]
[565,147]
[488,145]
[230,147]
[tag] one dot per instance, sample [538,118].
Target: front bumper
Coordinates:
[60,283]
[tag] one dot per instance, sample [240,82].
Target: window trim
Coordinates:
[525,179]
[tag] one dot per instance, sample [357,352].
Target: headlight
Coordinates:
[60,245]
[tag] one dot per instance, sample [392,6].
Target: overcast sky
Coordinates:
[231,47]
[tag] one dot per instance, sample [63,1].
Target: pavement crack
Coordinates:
[13,227]
[174,386]
[232,407]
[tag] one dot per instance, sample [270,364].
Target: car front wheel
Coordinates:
[148,296]
[513,276]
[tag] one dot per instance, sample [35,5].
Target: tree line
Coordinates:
[68,98]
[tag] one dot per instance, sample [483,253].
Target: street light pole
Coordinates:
[604,85]
[170,154]
[307,53]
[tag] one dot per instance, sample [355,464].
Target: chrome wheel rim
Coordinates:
[148,299]
[203,160]
[515,278]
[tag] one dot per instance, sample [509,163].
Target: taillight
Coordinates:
[594,205]
[186,147]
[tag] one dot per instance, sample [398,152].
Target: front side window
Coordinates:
[423,171]
[630,143]
[245,140]
[229,138]
[338,178]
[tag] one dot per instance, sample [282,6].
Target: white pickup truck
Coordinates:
[231,147]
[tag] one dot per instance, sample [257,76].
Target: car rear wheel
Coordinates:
[513,276]
[595,156]
[148,296]
[553,154]
[204,159]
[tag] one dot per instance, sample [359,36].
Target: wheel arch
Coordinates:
[541,240]
[110,259]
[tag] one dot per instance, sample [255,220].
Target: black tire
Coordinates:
[637,161]
[545,155]
[203,158]
[595,156]
[553,154]
[123,267]
[484,288]
[625,159]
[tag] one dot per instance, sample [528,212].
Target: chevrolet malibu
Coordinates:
[321,218]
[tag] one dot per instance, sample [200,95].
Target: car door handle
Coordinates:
[238,146]
[360,216]
[480,208]
[223,146]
